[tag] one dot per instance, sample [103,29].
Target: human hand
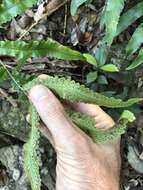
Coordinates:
[81,164]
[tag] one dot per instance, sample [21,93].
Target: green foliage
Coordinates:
[111,17]
[127,115]
[11,8]
[91,77]
[115,24]
[31,159]
[3,74]
[136,40]
[110,68]
[88,125]
[130,17]
[69,90]
[23,50]
[138,61]
[73,92]
[75,4]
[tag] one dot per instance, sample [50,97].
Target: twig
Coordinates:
[65,20]
[28,30]
[49,9]
[9,99]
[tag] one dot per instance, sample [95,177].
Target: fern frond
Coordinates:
[88,125]
[31,159]
[11,8]
[23,50]
[111,18]
[136,40]
[130,17]
[51,48]
[75,4]
[74,92]
[138,61]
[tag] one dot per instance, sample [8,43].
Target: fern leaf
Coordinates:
[11,8]
[111,18]
[136,40]
[130,17]
[138,61]
[23,50]
[75,4]
[31,159]
[101,136]
[74,92]
[51,48]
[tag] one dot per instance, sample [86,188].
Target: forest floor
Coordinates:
[81,32]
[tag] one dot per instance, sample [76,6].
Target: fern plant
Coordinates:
[115,23]
[11,8]
[122,23]
[73,92]
[23,50]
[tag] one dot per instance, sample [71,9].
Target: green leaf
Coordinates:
[111,19]
[24,50]
[90,59]
[138,61]
[110,68]
[75,4]
[101,54]
[130,17]
[102,80]
[136,40]
[74,92]
[91,77]
[11,8]
[128,115]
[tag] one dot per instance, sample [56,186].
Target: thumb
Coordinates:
[53,115]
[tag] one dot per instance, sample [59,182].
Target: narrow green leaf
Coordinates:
[90,59]
[110,68]
[130,17]
[23,50]
[138,61]
[11,8]
[136,40]
[111,19]
[75,4]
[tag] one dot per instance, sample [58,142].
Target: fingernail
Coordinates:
[37,93]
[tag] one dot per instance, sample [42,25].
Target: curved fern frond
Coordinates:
[11,8]
[88,125]
[74,92]
[31,159]
[136,40]
[129,17]
[111,18]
